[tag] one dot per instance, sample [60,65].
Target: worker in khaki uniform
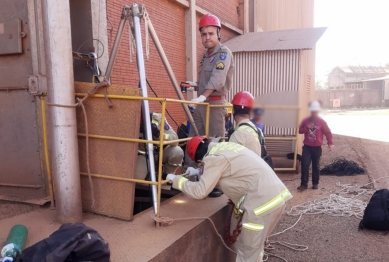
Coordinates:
[214,81]
[245,134]
[172,154]
[257,193]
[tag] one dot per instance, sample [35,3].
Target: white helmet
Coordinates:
[315,106]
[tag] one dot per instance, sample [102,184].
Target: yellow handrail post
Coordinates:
[160,157]
[46,150]
[207,113]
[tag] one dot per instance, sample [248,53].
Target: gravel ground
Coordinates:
[10,209]
[336,238]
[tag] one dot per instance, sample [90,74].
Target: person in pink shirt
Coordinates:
[314,129]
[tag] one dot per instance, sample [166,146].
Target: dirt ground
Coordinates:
[337,238]
[328,238]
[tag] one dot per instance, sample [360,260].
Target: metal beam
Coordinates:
[190,46]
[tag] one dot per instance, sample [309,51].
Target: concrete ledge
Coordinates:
[201,243]
[139,240]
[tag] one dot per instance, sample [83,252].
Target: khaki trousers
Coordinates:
[250,244]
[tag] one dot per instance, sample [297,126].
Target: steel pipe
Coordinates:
[145,103]
[63,125]
[170,72]
[116,44]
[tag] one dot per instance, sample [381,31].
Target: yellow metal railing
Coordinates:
[160,143]
[295,139]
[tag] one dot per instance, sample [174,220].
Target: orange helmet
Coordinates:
[243,98]
[209,20]
[192,146]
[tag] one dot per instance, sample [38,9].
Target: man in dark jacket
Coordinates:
[314,129]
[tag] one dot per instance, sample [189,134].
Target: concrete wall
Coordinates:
[284,14]
[201,243]
[168,18]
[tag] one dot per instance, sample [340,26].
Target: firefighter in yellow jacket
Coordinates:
[245,133]
[257,193]
[173,155]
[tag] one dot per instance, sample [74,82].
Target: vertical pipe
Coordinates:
[116,44]
[46,150]
[207,120]
[63,126]
[161,138]
[170,72]
[145,103]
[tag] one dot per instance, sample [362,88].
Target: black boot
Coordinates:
[216,192]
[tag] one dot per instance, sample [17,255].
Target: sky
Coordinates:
[357,34]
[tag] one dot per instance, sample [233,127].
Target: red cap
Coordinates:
[209,20]
[192,146]
[243,98]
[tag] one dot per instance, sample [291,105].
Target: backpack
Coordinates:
[260,138]
[376,216]
[71,242]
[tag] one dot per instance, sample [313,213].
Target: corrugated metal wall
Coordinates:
[265,72]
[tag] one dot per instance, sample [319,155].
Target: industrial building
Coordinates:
[351,77]
[356,87]
[51,152]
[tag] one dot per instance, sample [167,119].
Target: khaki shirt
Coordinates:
[170,134]
[246,136]
[216,71]
[242,175]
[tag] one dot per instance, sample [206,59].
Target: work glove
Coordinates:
[170,177]
[192,171]
[199,99]
[216,139]
[192,86]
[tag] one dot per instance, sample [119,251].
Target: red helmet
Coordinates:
[192,146]
[243,98]
[209,20]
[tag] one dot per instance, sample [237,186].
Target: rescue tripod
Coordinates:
[133,14]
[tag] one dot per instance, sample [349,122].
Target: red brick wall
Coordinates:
[226,10]
[168,20]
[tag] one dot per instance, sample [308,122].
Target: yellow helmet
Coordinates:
[229,108]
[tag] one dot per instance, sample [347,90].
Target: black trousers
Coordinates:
[310,154]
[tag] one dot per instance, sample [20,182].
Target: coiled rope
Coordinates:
[342,167]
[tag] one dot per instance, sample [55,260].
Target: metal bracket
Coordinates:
[37,85]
